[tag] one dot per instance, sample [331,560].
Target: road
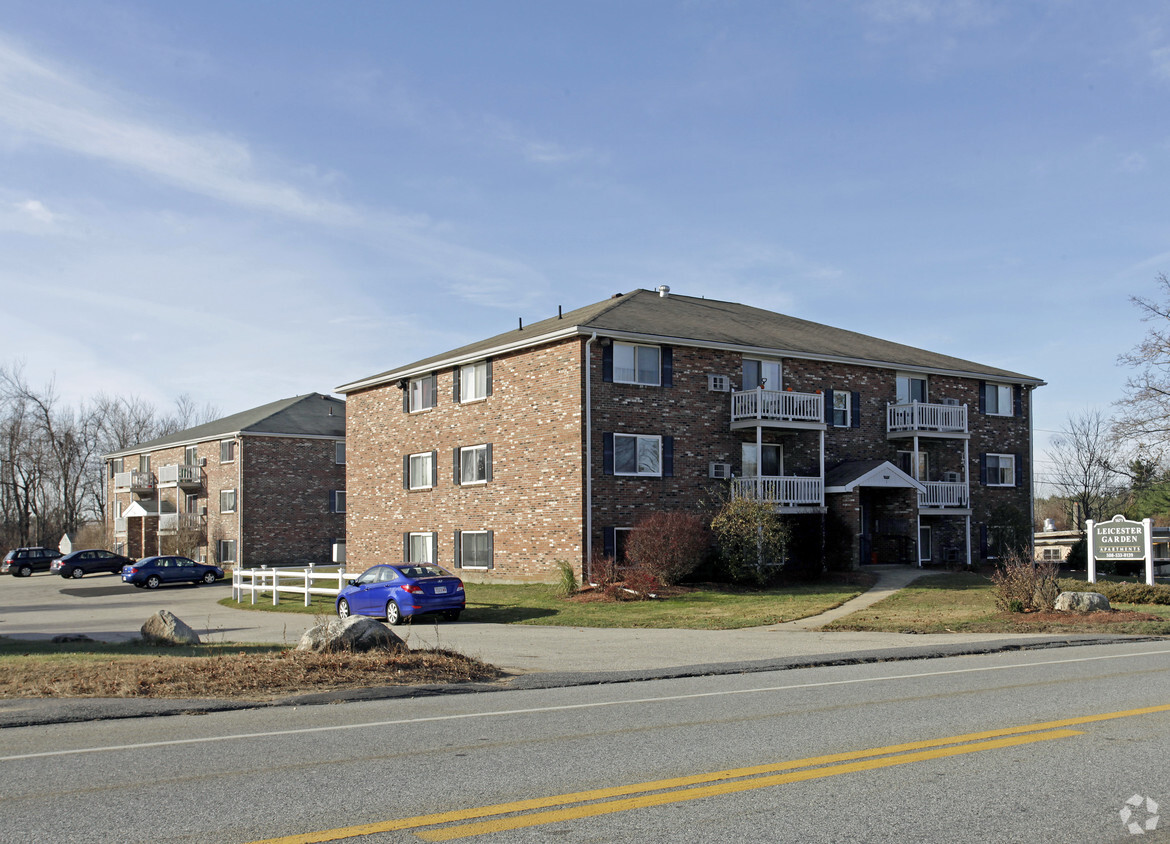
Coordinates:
[1028,746]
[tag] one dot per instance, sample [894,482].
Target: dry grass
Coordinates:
[243,675]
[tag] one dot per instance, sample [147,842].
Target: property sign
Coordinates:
[1120,539]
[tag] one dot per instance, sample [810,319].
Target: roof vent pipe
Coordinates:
[663,291]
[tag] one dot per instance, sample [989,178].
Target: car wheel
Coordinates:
[451,615]
[26,571]
[76,574]
[343,608]
[152,582]
[393,614]
[209,577]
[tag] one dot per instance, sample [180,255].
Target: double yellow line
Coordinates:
[465,823]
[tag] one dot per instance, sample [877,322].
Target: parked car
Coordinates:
[152,572]
[22,562]
[398,592]
[89,561]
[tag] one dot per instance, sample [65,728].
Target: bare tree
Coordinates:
[1083,472]
[1146,419]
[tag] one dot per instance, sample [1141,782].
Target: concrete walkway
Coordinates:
[890,580]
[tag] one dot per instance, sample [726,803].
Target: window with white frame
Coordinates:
[337,501]
[761,373]
[421,469]
[422,393]
[474,464]
[420,548]
[921,472]
[773,463]
[475,549]
[637,454]
[191,455]
[842,407]
[144,463]
[227,501]
[634,364]
[339,452]
[1052,555]
[117,509]
[473,381]
[1001,470]
[225,550]
[910,388]
[117,465]
[227,451]
[924,540]
[997,400]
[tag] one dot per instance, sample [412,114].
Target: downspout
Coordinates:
[587,568]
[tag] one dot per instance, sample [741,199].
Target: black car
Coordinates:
[90,561]
[22,562]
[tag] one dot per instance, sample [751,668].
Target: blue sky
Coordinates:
[249,200]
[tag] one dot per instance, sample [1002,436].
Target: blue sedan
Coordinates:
[152,572]
[398,592]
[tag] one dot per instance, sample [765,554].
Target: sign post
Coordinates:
[1120,539]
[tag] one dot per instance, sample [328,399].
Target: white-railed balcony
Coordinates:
[134,480]
[941,494]
[781,490]
[917,418]
[781,408]
[172,522]
[120,525]
[180,474]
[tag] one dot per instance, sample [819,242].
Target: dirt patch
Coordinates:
[1087,619]
[244,676]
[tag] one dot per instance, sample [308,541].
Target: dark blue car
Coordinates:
[152,572]
[398,592]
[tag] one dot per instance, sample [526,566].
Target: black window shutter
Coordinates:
[406,398]
[332,501]
[456,375]
[607,453]
[455,467]
[983,469]
[1019,461]
[855,410]
[457,560]
[982,396]
[434,468]
[1017,400]
[489,462]
[668,457]
[609,541]
[667,366]
[434,388]
[434,547]
[489,376]
[491,549]
[406,471]
[406,547]
[607,362]
[828,407]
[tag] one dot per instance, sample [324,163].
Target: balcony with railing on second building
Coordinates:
[943,495]
[781,490]
[777,408]
[916,418]
[180,474]
[174,522]
[135,480]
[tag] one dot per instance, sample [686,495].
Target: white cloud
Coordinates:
[36,209]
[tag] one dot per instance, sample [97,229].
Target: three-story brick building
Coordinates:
[551,441]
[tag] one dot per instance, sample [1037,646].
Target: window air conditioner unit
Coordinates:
[951,402]
[203,508]
[952,477]
[719,470]
[718,383]
[339,552]
[202,461]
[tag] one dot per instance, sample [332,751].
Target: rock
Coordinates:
[1082,602]
[356,633]
[165,628]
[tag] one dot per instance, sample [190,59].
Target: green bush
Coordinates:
[751,540]
[566,585]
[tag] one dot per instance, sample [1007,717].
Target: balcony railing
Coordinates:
[942,418]
[762,405]
[134,479]
[180,474]
[943,494]
[172,522]
[120,525]
[786,490]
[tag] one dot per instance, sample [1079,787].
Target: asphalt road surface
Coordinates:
[1061,745]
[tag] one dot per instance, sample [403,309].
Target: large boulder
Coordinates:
[1082,602]
[165,628]
[356,633]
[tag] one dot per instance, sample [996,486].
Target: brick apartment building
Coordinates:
[551,441]
[261,487]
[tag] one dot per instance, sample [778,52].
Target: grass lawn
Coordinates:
[708,608]
[964,603]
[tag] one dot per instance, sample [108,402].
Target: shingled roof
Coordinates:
[311,415]
[686,321]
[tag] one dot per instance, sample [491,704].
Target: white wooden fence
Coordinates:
[291,579]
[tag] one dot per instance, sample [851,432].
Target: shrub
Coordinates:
[667,546]
[642,583]
[566,585]
[1021,586]
[602,569]
[1122,592]
[751,540]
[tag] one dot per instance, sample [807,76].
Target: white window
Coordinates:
[636,364]
[422,470]
[473,381]
[339,452]
[337,500]
[997,400]
[637,454]
[227,451]
[191,503]
[227,501]
[226,550]
[773,465]
[117,465]
[1001,470]
[144,463]
[761,373]
[191,455]
[117,509]
[841,408]
[910,388]
[420,548]
[924,544]
[718,383]
[422,393]
[906,464]
[475,549]
[474,464]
